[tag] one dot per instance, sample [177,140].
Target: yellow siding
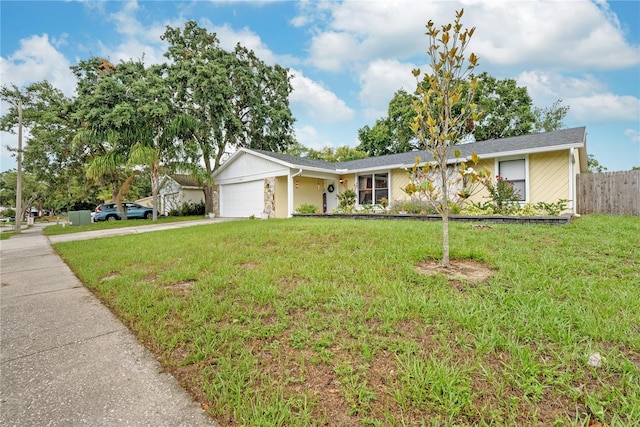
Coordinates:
[549,176]
[399,180]
[281,197]
[349,183]
[307,191]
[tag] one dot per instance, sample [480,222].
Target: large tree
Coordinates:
[105,113]
[34,192]
[507,110]
[391,134]
[328,154]
[155,130]
[49,154]
[228,100]
[445,105]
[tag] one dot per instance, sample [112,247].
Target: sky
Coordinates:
[348,58]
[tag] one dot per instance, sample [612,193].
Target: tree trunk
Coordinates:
[208,198]
[155,189]
[445,239]
[445,215]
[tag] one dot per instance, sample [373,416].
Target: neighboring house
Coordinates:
[176,190]
[146,201]
[543,167]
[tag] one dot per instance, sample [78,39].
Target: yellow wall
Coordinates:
[308,191]
[349,184]
[281,197]
[399,180]
[548,182]
[549,176]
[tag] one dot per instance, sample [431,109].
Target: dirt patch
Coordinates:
[112,275]
[249,265]
[459,270]
[185,286]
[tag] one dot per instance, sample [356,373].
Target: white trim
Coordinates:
[373,189]
[290,184]
[527,180]
[572,181]
[252,177]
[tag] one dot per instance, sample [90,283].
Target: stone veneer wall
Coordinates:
[216,200]
[270,197]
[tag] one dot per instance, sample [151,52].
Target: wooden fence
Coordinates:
[615,193]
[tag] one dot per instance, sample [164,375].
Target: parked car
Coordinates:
[108,212]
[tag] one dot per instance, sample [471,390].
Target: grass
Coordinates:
[64,228]
[327,322]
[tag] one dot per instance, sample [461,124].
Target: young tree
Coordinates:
[445,105]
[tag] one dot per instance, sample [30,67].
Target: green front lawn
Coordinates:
[312,321]
[64,228]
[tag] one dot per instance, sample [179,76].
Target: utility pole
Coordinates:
[19,174]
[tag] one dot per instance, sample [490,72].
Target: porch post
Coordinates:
[289,195]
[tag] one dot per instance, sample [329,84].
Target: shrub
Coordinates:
[503,195]
[347,201]
[415,207]
[514,209]
[553,209]
[8,213]
[307,208]
[188,209]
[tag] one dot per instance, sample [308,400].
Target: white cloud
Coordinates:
[125,20]
[330,49]
[132,49]
[633,135]
[317,101]
[545,87]
[604,108]
[564,35]
[379,81]
[37,59]
[309,137]
[551,34]
[589,100]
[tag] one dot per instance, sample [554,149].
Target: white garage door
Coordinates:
[242,200]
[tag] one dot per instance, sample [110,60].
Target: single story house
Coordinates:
[176,190]
[543,167]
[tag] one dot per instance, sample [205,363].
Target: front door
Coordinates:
[332,196]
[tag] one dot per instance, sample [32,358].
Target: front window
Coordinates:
[514,172]
[373,188]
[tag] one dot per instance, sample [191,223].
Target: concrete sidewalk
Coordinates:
[134,230]
[65,360]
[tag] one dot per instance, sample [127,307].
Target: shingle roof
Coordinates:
[298,161]
[547,141]
[185,181]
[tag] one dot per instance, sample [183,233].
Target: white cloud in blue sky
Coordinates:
[348,58]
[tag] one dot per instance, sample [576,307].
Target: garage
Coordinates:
[242,200]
